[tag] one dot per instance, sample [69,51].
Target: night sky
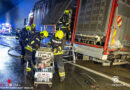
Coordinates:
[6,5]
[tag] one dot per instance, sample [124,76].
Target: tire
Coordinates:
[50,85]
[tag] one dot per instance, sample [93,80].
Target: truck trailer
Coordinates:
[100,28]
[102,31]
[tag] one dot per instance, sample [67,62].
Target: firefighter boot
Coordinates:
[62,76]
[62,79]
[22,59]
[28,69]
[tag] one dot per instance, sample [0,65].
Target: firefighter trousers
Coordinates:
[31,56]
[22,52]
[59,65]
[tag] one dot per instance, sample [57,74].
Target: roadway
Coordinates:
[12,74]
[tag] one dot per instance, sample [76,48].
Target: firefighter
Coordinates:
[34,44]
[23,41]
[65,18]
[66,22]
[33,28]
[17,34]
[57,43]
[32,32]
[28,31]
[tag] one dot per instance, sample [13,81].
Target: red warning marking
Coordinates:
[119,21]
[118,16]
[9,81]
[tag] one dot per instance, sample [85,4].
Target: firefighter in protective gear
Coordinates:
[57,43]
[44,34]
[65,23]
[34,44]
[17,34]
[32,32]
[65,20]
[23,41]
[33,28]
[28,29]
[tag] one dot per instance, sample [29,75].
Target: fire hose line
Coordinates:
[11,48]
[98,73]
[13,54]
[5,45]
[15,48]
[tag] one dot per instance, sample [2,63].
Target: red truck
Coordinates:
[102,30]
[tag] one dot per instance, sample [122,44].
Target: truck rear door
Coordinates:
[121,36]
[124,12]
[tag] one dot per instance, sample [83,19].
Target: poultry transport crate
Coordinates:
[44,66]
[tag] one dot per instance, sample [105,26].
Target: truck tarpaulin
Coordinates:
[124,12]
[92,17]
[49,11]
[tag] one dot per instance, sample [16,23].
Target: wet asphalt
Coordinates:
[12,74]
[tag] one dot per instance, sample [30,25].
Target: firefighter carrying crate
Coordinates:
[23,41]
[32,32]
[57,43]
[33,45]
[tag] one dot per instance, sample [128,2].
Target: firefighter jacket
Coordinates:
[33,30]
[65,20]
[57,45]
[31,34]
[24,36]
[34,42]
[17,34]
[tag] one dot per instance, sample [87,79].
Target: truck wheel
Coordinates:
[80,56]
[50,85]
[35,85]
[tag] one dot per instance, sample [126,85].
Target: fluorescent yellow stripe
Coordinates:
[61,74]
[60,22]
[28,69]
[32,42]
[63,27]
[21,56]
[58,53]
[28,48]
[59,47]
[26,39]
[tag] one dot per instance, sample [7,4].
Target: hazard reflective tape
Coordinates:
[63,27]
[61,74]
[58,53]
[26,39]
[29,48]
[119,21]
[113,38]
[32,42]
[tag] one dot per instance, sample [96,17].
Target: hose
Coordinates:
[13,54]
[11,48]
[5,45]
